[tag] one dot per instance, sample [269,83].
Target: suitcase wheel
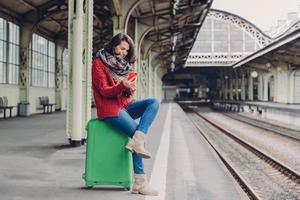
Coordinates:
[89,187]
[127,188]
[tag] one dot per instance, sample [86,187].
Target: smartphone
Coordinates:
[132,76]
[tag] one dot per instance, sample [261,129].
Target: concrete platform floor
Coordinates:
[38,164]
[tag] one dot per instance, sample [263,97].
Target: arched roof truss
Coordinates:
[224,39]
[163,24]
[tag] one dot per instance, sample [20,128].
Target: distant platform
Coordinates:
[282,112]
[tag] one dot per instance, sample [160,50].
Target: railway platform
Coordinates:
[183,166]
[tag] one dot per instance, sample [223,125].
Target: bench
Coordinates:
[47,107]
[4,106]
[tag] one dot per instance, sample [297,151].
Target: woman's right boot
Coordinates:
[137,145]
[141,186]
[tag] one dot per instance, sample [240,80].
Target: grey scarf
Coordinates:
[119,68]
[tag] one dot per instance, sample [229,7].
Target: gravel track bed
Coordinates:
[267,182]
[284,149]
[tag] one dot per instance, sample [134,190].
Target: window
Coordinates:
[236,46]
[236,39]
[51,65]
[249,43]
[3,50]
[42,62]
[236,33]
[204,47]
[206,24]
[220,25]
[221,46]
[9,52]
[65,67]
[13,62]
[220,35]
[203,42]
[204,35]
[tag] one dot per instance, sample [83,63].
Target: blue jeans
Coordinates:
[145,109]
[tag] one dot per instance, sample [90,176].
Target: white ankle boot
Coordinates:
[137,145]
[141,186]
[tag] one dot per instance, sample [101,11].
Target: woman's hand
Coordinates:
[129,84]
[133,89]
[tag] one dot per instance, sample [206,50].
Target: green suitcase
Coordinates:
[107,161]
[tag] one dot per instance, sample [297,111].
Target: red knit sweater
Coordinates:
[109,97]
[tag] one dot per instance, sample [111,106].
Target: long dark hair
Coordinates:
[116,40]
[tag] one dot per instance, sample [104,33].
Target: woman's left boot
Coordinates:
[137,145]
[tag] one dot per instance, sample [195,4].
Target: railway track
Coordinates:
[288,173]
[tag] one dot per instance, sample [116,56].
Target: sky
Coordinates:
[262,13]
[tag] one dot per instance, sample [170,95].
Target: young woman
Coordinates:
[113,98]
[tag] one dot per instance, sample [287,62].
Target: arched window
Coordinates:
[218,36]
[224,39]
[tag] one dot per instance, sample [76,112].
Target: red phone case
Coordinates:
[132,76]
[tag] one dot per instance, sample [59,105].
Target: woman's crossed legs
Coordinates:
[145,109]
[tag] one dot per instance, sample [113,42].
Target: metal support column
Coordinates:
[250,88]
[59,48]
[243,88]
[87,61]
[226,87]
[260,87]
[137,65]
[26,31]
[231,88]
[117,28]
[149,75]
[76,74]
[266,87]
[292,92]
[79,45]
[237,82]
